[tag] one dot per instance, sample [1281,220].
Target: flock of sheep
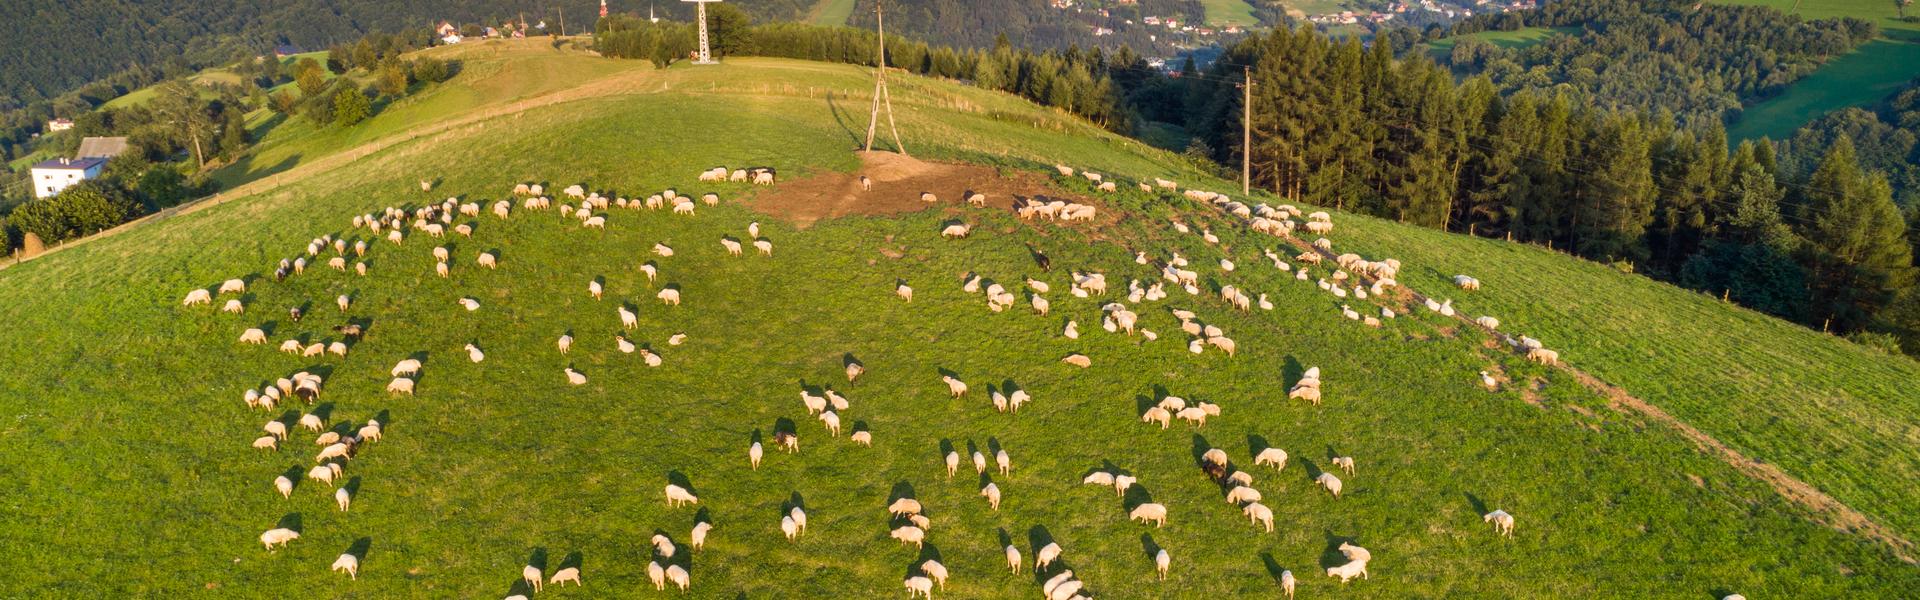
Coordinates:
[1350,277]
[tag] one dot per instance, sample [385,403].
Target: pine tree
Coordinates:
[1856,237]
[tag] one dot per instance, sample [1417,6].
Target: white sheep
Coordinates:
[677,495]
[1258,513]
[563,576]
[470,304]
[992,493]
[764,246]
[235,307]
[910,534]
[1161,562]
[488,260]
[532,575]
[343,498]
[1502,522]
[904,506]
[657,575]
[903,291]
[1046,555]
[1272,456]
[278,536]
[918,586]
[574,377]
[283,485]
[1327,480]
[1152,511]
[669,296]
[349,563]
[955,386]
[678,575]
[699,535]
[323,473]
[1544,356]
[957,230]
[474,354]
[953,463]
[266,442]
[253,336]
[1345,463]
[628,319]
[832,421]
[1349,571]
[1466,282]
[1287,582]
[565,343]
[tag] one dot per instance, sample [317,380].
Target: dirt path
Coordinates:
[1826,509]
[897,182]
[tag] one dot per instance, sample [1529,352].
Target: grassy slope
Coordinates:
[129,457]
[830,12]
[1862,78]
[1229,12]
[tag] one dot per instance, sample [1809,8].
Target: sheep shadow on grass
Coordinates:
[1332,556]
[296,474]
[793,501]
[324,410]
[1291,371]
[352,487]
[1479,506]
[1135,496]
[703,516]
[1274,568]
[1149,546]
[1199,449]
[1256,444]
[359,548]
[291,521]
[538,559]
[680,479]
[946,372]
[783,426]
[901,489]
[573,560]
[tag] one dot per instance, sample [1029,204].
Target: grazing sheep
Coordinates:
[312,422]
[474,354]
[1466,283]
[323,473]
[628,319]
[903,291]
[276,428]
[235,307]
[1159,415]
[799,517]
[470,304]
[1151,511]
[1273,456]
[1327,480]
[953,463]
[1046,556]
[278,537]
[1353,552]
[1258,513]
[1194,414]
[532,575]
[918,586]
[343,498]
[957,230]
[677,495]
[864,438]
[563,576]
[904,506]
[669,297]
[699,535]
[565,343]
[910,534]
[937,571]
[1345,463]
[679,577]
[1544,356]
[1488,322]
[1287,583]
[992,493]
[267,442]
[787,441]
[1502,522]
[284,486]
[488,260]
[575,377]
[1002,461]
[197,297]
[657,575]
[955,386]
[1161,561]
[1241,493]
[832,422]
[1349,571]
[348,563]
[253,336]
[765,246]
[1213,455]
[408,367]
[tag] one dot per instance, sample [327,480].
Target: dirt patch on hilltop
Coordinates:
[898,182]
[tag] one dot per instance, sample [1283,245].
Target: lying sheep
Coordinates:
[1078,360]
[574,377]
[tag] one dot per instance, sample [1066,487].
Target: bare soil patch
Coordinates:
[898,181]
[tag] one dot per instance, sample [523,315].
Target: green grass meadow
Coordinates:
[1861,78]
[128,463]
[830,12]
[1229,12]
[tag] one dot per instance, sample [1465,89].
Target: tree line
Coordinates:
[1339,124]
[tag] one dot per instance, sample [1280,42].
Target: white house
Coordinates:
[59,125]
[52,176]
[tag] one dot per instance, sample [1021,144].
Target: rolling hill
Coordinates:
[1690,450]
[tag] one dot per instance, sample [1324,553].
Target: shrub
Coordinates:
[431,70]
[162,186]
[84,209]
[350,106]
[1884,342]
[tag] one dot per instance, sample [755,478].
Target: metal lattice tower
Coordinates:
[705,57]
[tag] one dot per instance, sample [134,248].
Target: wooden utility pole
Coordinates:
[1246,131]
[880,93]
[563,22]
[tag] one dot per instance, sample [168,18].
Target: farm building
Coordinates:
[52,176]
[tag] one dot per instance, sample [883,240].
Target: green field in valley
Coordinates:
[129,463]
[1863,78]
[1518,38]
[1229,12]
[830,12]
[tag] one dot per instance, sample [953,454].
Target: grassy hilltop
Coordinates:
[127,442]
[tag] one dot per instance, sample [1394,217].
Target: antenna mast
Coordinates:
[880,93]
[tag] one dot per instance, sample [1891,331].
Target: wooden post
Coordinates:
[563,22]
